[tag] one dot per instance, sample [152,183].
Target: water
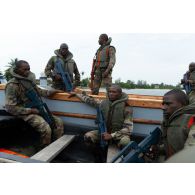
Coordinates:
[154,92]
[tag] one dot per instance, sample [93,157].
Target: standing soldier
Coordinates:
[191,81]
[20,92]
[103,64]
[68,65]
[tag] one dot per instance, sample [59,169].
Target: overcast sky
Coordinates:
[155,46]
[154,58]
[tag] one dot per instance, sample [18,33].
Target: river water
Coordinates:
[157,92]
[154,92]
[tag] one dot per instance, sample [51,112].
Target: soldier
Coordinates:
[103,64]
[178,123]
[68,65]
[117,114]
[191,81]
[17,99]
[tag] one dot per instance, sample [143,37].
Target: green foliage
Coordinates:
[144,85]
[11,64]
[139,85]
[85,82]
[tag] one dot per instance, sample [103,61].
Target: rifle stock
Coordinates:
[92,74]
[36,102]
[65,76]
[133,152]
[101,126]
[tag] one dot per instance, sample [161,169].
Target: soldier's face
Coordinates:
[24,70]
[101,40]
[113,94]
[64,51]
[170,105]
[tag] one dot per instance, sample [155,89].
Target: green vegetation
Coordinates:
[139,85]
[85,81]
[12,63]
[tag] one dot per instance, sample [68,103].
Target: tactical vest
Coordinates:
[175,133]
[102,57]
[114,114]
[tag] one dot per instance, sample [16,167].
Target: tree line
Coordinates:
[129,84]
[140,84]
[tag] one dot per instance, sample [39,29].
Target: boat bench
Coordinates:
[48,153]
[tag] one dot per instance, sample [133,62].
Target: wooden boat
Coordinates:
[79,117]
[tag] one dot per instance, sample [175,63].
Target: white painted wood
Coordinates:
[51,151]
[112,152]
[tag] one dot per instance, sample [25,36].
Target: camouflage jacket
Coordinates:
[68,65]
[15,98]
[118,115]
[192,78]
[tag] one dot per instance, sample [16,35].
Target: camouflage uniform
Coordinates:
[178,130]
[105,59]
[15,104]
[118,118]
[192,93]
[68,66]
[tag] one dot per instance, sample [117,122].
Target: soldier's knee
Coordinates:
[45,130]
[123,142]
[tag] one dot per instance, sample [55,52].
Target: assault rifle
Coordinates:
[92,73]
[101,126]
[133,152]
[36,102]
[186,84]
[65,76]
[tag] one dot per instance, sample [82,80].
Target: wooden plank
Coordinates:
[90,116]
[51,151]
[3,160]
[112,152]
[2,86]
[134,100]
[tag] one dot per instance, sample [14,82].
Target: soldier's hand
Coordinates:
[190,81]
[105,74]
[153,152]
[106,136]
[57,77]
[34,111]
[54,91]
[72,94]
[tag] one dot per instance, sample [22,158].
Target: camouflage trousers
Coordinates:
[46,133]
[99,80]
[191,97]
[58,86]
[120,140]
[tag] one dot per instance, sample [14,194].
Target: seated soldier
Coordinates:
[117,114]
[178,123]
[17,102]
